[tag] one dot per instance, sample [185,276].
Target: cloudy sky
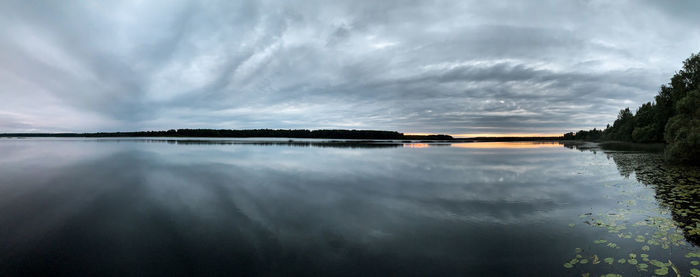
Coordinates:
[458,67]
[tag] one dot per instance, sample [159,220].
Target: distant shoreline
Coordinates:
[508,139]
[248,133]
[351,142]
[282,133]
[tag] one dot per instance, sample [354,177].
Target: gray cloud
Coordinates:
[412,66]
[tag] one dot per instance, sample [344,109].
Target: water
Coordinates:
[219,207]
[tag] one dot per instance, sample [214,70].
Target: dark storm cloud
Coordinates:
[412,66]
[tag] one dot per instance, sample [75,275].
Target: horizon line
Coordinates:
[492,135]
[455,135]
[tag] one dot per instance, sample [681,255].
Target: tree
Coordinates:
[672,118]
[683,131]
[645,124]
[622,127]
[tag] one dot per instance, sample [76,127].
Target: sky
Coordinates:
[457,67]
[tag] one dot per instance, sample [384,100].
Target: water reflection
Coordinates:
[126,207]
[676,187]
[418,145]
[655,228]
[291,143]
[507,145]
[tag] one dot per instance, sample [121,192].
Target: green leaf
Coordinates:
[661,271]
[658,263]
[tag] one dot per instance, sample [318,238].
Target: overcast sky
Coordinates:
[458,67]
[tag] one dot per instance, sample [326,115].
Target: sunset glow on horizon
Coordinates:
[492,135]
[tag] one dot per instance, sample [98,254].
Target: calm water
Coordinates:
[165,207]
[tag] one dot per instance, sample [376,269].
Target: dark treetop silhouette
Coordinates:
[260,133]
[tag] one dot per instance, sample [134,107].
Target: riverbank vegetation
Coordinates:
[672,118]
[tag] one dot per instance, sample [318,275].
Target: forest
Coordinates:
[672,118]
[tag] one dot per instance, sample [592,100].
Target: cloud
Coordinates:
[443,66]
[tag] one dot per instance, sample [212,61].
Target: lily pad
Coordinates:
[661,271]
[658,263]
[692,255]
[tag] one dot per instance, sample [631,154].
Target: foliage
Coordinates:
[672,118]
[592,135]
[622,127]
[683,130]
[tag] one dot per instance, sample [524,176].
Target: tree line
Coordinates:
[248,133]
[672,118]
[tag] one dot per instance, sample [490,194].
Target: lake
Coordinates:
[183,207]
